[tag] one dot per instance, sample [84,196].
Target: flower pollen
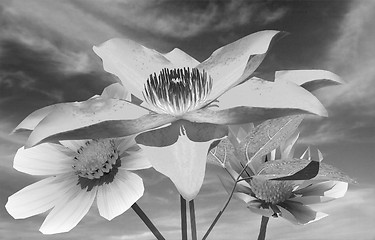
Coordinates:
[177,91]
[271,191]
[96,158]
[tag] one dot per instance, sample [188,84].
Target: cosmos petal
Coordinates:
[299,214]
[44,159]
[263,94]
[39,197]
[233,63]
[135,161]
[309,79]
[118,196]
[69,211]
[180,59]
[307,200]
[73,145]
[95,118]
[179,152]
[244,197]
[255,207]
[131,62]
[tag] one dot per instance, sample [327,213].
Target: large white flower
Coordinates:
[179,106]
[78,171]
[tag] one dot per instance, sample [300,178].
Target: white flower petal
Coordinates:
[39,197]
[131,62]
[309,79]
[115,90]
[135,161]
[299,214]
[233,63]
[244,197]
[67,213]
[118,196]
[44,159]
[73,145]
[255,208]
[33,119]
[333,189]
[307,200]
[270,95]
[180,59]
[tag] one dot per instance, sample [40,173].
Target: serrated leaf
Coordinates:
[288,167]
[266,137]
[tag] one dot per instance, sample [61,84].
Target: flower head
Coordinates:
[172,102]
[78,172]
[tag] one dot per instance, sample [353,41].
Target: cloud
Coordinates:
[351,56]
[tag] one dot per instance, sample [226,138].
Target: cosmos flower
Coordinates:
[177,105]
[288,199]
[78,172]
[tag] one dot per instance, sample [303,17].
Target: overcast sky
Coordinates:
[46,57]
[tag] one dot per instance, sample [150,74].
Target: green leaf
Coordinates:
[266,137]
[288,167]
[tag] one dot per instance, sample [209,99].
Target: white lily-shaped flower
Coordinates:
[78,171]
[173,100]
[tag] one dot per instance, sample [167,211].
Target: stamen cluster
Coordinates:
[95,158]
[177,91]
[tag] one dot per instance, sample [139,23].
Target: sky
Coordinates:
[46,57]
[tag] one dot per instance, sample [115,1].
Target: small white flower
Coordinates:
[78,171]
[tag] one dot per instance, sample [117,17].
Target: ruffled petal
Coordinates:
[179,151]
[131,62]
[135,161]
[332,189]
[180,59]
[299,214]
[95,118]
[263,94]
[118,196]
[233,63]
[309,79]
[69,211]
[44,159]
[39,197]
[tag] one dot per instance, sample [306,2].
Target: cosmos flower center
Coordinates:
[95,158]
[177,91]
[271,191]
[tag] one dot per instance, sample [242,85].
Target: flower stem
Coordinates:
[183,218]
[263,227]
[225,205]
[147,221]
[192,221]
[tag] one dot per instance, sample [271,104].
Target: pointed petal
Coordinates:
[131,62]
[233,63]
[180,59]
[179,151]
[39,197]
[306,154]
[115,90]
[32,120]
[332,189]
[95,118]
[69,211]
[287,148]
[299,214]
[118,196]
[264,94]
[309,79]
[44,159]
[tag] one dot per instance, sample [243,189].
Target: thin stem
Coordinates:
[192,221]
[225,205]
[263,228]
[147,221]
[183,218]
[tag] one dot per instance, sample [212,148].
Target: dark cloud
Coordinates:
[31,79]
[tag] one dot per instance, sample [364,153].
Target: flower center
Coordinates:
[271,191]
[96,158]
[177,91]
